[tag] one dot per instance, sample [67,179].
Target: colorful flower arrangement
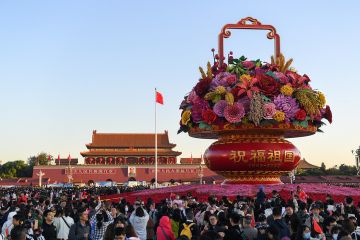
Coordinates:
[244,92]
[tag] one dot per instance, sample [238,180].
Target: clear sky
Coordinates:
[69,67]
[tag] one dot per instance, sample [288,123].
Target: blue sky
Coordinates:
[68,67]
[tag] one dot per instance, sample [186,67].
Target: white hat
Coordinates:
[352,216]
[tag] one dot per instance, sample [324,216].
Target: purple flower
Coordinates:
[286,104]
[196,113]
[245,101]
[234,113]
[219,80]
[192,97]
[198,106]
[269,110]
[219,108]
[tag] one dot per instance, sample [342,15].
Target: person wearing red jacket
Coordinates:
[164,231]
[22,198]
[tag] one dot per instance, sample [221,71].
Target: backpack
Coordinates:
[187,231]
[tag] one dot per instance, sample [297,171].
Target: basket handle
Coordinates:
[243,24]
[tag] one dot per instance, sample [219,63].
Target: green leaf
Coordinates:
[265,98]
[242,58]
[216,98]
[304,124]
[203,125]
[297,123]
[271,74]
[267,122]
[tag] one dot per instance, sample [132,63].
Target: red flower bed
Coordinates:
[315,191]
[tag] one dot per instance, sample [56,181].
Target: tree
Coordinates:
[341,170]
[323,168]
[347,170]
[40,159]
[15,169]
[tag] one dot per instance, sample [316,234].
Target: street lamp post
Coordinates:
[40,174]
[292,176]
[357,160]
[201,173]
[69,174]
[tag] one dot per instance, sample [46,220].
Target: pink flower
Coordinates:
[282,78]
[248,64]
[192,97]
[230,79]
[269,110]
[234,113]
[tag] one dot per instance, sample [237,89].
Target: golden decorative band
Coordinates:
[250,173]
[255,179]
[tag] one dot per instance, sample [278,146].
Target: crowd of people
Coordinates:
[79,214]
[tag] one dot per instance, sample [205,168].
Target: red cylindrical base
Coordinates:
[252,159]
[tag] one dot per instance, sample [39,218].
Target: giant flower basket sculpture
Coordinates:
[251,106]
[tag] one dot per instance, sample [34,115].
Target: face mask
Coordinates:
[307,235]
[126,209]
[335,236]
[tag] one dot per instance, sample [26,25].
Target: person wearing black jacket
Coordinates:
[48,228]
[279,224]
[349,207]
[234,231]
[213,225]
[292,221]
[260,196]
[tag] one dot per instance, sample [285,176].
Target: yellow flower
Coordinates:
[220,90]
[245,77]
[287,90]
[279,116]
[322,99]
[185,117]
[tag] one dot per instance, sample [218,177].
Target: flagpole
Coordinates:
[156,173]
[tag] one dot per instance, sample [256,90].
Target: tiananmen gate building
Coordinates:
[120,156]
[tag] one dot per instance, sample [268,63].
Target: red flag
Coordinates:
[252,220]
[49,158]
[69,158]
[159,98]
[317,227]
